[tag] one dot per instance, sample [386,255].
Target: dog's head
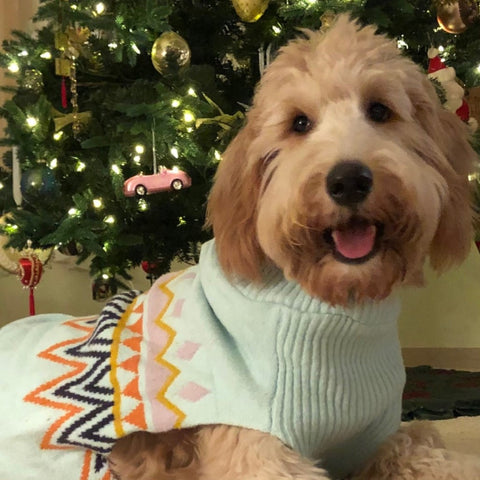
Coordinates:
[347,174]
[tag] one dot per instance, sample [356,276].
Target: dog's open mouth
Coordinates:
[354,242]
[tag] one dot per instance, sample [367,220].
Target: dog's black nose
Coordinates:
[349,183]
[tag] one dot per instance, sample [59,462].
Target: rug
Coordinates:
[438,394]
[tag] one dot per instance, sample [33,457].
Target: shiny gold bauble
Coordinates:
[250,10]
[456,17]
[33,80]
[170,53]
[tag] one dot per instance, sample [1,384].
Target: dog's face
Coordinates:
[348,173]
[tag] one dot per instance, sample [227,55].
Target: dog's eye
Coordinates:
[378,112]
[301,124]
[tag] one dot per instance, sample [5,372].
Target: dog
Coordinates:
[277,356]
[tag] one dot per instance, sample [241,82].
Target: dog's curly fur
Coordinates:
[270,203]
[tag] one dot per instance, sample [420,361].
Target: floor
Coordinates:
[461,434]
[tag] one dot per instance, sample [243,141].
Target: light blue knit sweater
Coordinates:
[198,349]
[327,381]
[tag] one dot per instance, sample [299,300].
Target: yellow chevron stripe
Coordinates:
[117,394]
[159,358]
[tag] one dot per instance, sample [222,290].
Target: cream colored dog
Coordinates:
[347,176]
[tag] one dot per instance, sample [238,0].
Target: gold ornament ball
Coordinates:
[170,53]
[456,17]
[250,10]
[33,80]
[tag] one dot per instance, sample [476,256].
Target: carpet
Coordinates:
[436,394]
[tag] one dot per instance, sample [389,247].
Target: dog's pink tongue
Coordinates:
[355,242]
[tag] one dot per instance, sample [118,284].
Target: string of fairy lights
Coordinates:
[19,64]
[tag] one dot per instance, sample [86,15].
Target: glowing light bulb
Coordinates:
[1,185]
[46,55]
[135,48]
[11,228]
[80,167]
[175,103]
[116,169]
[57,136]
[109,219]
[105,276]
[14,67]
[441,48]
[32,122]
[137,159]
[142,205]
[139,149]
[54,163]
[276,29]
[188,117]
[100,8]
[113,45]
[73,211]
[192,92]
[97,202]
[23,53]
[217,155]
[174,152]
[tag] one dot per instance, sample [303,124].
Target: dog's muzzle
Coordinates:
[349,183]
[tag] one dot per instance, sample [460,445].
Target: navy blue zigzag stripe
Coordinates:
[90,388]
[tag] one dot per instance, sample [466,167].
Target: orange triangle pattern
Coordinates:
[129,403]
[137,327]
[133,343]
[137,417]
[131,364]
[132,389]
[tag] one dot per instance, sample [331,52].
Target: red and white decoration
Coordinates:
[446,76]
[30,270]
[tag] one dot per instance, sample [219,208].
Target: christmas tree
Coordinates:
[107,90]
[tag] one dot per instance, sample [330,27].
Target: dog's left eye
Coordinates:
[378,112]
[301,124]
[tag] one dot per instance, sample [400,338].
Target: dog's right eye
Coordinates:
[301,124]
[378,112]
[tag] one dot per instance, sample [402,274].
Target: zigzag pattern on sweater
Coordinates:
[85,393]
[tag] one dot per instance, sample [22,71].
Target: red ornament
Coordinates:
[64,93]
[30,273]
[149,267]
[463,111]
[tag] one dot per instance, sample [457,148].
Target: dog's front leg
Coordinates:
[416,451]
[232,453]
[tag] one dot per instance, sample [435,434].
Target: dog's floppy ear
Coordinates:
[232,207]
[454,234]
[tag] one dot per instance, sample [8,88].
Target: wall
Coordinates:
[446,313]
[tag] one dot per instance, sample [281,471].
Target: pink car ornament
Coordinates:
[165,179]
